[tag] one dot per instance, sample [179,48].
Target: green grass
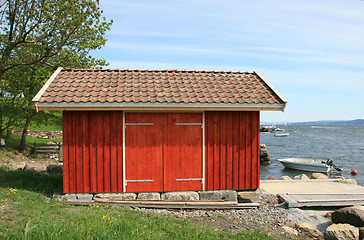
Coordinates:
[25,214]
[14,140]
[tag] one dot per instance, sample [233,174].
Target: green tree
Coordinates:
[36,37]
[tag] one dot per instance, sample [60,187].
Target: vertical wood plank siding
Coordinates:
[92,145]
[93,148]
[232,150]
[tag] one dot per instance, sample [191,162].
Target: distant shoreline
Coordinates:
[318,123]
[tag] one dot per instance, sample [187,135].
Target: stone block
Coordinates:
[229,195]
[341,232]
[248,196]
[85,196]
[149,196]
[71,196]
[116,196]
[180,196]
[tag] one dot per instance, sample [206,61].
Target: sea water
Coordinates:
[343,144]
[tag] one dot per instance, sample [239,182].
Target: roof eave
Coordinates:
[159,106]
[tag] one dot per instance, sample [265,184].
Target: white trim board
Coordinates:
[46,85]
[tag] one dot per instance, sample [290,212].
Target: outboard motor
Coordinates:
[331,163]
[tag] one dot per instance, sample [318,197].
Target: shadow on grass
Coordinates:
[31,181]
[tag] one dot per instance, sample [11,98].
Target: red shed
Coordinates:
[159,130]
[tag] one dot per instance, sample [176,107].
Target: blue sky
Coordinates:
[311,51]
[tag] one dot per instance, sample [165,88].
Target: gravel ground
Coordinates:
[268,218]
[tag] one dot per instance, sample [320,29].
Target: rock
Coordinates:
[149,196]
[289,223]
[264,155]
[328,215]
[116,196]
[290,231]
[266,162]
[301,177]
[2,142]
[319,176]
[348,181]
[307,229]
[351,215]
[361,233]
[51,143]
[34,167]
[271,178]
[285,178]
[338,178]
[273,201]
[55,168]
[341,232]
[248,196]
[229,195]
[263,150]
[180,196]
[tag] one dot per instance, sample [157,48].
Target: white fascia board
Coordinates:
[271,87]
[46,85]
[98,106]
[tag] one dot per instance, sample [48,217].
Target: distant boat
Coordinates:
[307,164]
[286,134]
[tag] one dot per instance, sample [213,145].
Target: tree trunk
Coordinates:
[22,144]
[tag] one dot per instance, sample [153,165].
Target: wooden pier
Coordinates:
[321,200]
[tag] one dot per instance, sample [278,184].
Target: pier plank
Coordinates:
[321,200]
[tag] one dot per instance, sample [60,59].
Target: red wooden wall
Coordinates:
[92,145]
[92,152]
[232,150]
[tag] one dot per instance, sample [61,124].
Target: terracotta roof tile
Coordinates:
[158,86]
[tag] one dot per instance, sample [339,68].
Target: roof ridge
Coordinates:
[153,70]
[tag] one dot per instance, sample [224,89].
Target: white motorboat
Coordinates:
[310,165]
[285,134]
